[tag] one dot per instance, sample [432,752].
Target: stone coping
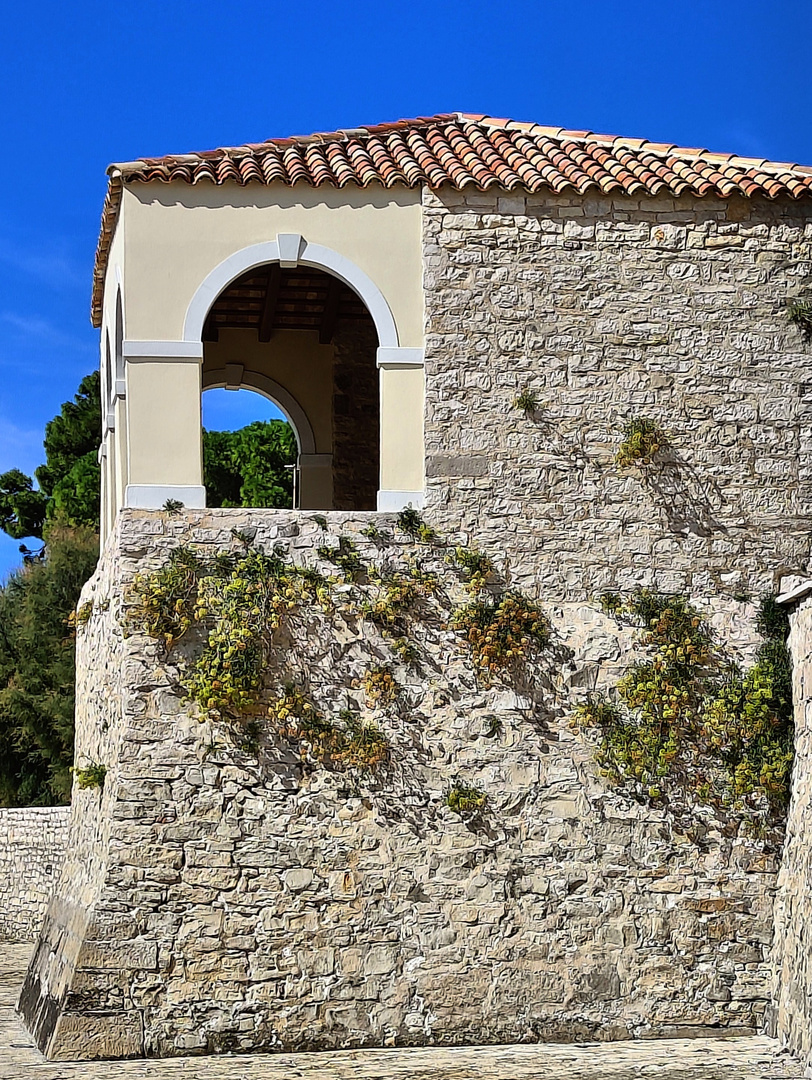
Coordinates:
[793,588]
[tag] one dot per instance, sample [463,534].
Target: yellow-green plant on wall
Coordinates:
[466,799]
[799,312]
[166,599]
[476,567]
[642,439]
[350,741]
[243,611]
[297,717]
[410,522]
[527,401]
[682,720]
[364,745]
[84,612]
[380,685]
[239,601]
[399,596]
[91,775]
[346,557]
[500,630]
[687,723]
[406,650]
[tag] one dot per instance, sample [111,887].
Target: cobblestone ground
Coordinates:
[666,1059]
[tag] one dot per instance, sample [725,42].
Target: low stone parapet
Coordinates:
[32,848]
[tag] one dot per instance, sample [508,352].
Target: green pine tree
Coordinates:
[37,669]
[69,480]
[251,466]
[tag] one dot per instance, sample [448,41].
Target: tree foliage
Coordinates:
[37,669]
[251,466]
[22,508]
[69,480]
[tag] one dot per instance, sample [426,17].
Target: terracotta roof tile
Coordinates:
[460,150]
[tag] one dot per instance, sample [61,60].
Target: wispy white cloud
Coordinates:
[51,265]
[33,328]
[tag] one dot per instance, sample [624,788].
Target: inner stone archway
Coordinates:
[304,338]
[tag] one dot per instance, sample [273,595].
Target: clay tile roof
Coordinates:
[459,150]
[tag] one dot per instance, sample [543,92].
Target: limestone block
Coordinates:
[97,1035]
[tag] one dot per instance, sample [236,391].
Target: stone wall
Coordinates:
[609,308]
[71,925]
[790,1016]
[219,897]
[32,847]
[356,416]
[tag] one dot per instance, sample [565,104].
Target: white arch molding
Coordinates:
[107,393]
[216,379]
[290,250]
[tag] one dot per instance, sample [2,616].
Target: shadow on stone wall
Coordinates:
[690,501]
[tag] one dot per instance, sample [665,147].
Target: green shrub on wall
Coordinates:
[500,629]
[799,312]
[642,439]
[686,723]
[243,612]
[91,775]
[465,799]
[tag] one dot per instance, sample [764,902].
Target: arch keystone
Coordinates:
[290,246]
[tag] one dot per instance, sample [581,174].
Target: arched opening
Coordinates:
[119,342]
[305,339]
[250,450]
[107,392]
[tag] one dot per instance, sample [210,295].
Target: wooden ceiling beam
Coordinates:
[269,306]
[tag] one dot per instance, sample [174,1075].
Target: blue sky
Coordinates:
[87,83]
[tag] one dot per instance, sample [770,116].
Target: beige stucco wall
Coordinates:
[378,230]
[109,480]
[115,270]
[121,468]
[169,238]
[114,467]
[163,406]
[402,456]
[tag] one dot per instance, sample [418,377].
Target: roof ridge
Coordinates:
[367,129]
[638,144]
[626,141]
